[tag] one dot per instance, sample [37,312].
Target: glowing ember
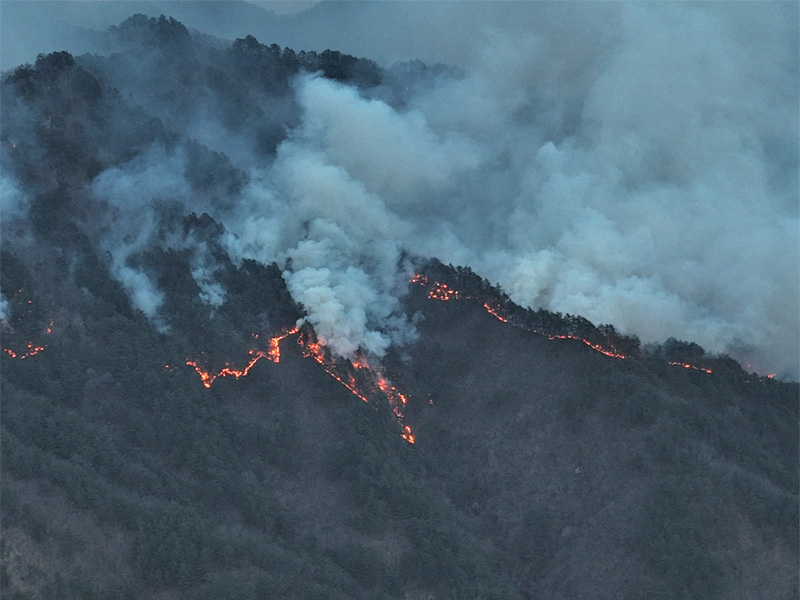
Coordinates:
[688,366]
[437,290]
[370,379]
[316,351]
[494,313]
[595,347]
[273,353]
[441,291]
[31,349]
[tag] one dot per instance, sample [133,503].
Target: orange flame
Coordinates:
[373,378]
[273,353]
[494,313]
[437,290]
[689,366]
[441,291]
[397,400]
[316,351]
[31,349]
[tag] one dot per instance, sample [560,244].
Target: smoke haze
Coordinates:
[636,164]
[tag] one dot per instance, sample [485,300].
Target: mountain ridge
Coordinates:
[550,456]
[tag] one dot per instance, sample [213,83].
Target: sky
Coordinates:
[633,163]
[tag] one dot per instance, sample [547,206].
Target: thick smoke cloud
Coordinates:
[653,207]
[636,164]
[5,310]
[13,206]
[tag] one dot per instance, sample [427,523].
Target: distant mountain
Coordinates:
[223,378]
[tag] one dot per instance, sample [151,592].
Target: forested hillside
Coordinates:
[211,391]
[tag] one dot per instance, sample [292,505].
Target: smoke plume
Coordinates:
[636,164]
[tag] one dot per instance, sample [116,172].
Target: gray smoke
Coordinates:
[5,310]
[636,164]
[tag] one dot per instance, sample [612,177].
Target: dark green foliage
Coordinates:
[163,32]
[673,542]
[535,537]
[212,172]
[196,486]
[478,290]
[365,567]
[173,546]
[274,66]
[93,275]
[78,125]
[638,409]
[537,459]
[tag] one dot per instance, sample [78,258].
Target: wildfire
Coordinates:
[31,349]
[373,378]
[208,378]
[688,366]
[370,380]
[441,291]
[595,347]
[437,290]
[494,313]
[272,353]
[316,351]
[749,368]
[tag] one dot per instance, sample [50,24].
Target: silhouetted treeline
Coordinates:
[474,287]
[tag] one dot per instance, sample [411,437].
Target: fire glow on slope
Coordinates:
[441,291]
[688,366]
[31,348]
[272,353]
[361,379]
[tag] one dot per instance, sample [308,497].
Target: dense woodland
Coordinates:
[541,468]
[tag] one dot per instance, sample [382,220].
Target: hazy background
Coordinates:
[633,163]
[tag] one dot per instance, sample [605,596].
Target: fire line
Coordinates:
[374,380]
[443,292]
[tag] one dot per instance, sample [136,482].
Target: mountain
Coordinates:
[223,378]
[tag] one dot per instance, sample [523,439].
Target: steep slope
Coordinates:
[540,467]
[215,388]
[608,477]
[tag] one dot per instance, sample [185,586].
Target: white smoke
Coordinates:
[211,292]
[13,202]
[634,163]
[654,207]
[340,244]
[5,310]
